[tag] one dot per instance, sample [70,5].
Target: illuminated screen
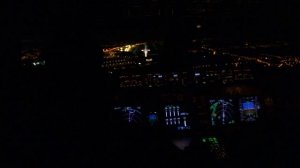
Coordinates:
[131,114]
[222,112]
[176,117]
[248,109]
[153,118]
[215,147]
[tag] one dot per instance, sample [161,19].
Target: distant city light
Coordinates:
[146,50]
[149,60]
[198,26]
[39,63]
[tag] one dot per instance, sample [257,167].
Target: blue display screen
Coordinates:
[153,118]
[249,105]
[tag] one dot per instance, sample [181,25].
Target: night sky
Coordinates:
[229,19]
